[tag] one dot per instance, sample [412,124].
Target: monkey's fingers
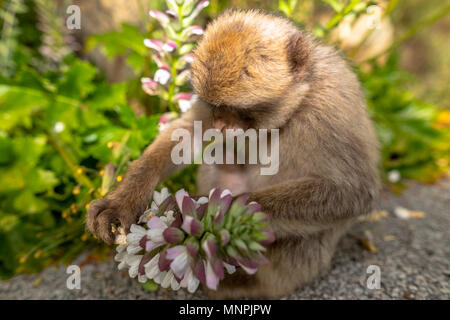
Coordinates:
[95,207]
[103,225]
[127,220]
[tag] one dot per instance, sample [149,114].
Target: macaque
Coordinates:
[257,70]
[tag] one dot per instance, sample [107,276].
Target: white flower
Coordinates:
[146,216]
[59,127]
[184,105]
[180,261]
[162,76]
[151,268]
[230,269]
[190,281]
[134,238]
[168,218]
[394,176]
[159,197]
[159,277]
[121,256]
[133,262]
[169,280]
[121,238]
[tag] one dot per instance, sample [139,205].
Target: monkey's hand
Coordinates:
[113,207]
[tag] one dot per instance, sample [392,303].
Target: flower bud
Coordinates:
[224,237]
[173,235]
[149,86]
[163,262]
[270,238]
[169,46]
[162,76]
[192,226]
[192,247]
[154,44]
[162,18]
[107,178]
[209,245]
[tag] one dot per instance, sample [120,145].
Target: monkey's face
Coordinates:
[242,61]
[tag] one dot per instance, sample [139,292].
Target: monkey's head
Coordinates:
[247,58]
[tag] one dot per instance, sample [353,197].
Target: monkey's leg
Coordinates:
[312,204]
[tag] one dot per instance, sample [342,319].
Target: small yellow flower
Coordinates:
[23,259]
[84,237]
[38,254]
[87,206]
[80,170]
[119,178]
[76,190]
[102,172]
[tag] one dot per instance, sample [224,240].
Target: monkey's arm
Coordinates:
[132,195]
[311,204]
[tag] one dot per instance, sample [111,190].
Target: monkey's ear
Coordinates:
[298,53]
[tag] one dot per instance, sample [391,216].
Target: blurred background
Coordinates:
[78,102]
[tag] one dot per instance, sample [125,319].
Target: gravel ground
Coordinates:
[413,256]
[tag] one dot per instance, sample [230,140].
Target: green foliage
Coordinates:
[411,142]
[57,131]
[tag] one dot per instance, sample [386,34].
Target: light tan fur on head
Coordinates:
[242,59]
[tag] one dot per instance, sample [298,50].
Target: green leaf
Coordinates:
[77,81]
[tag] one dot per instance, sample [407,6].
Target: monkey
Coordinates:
[254,69]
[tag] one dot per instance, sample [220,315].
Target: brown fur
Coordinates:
[257,70]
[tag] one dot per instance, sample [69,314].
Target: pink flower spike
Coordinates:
[162,18]
[169,46]
[154,44]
